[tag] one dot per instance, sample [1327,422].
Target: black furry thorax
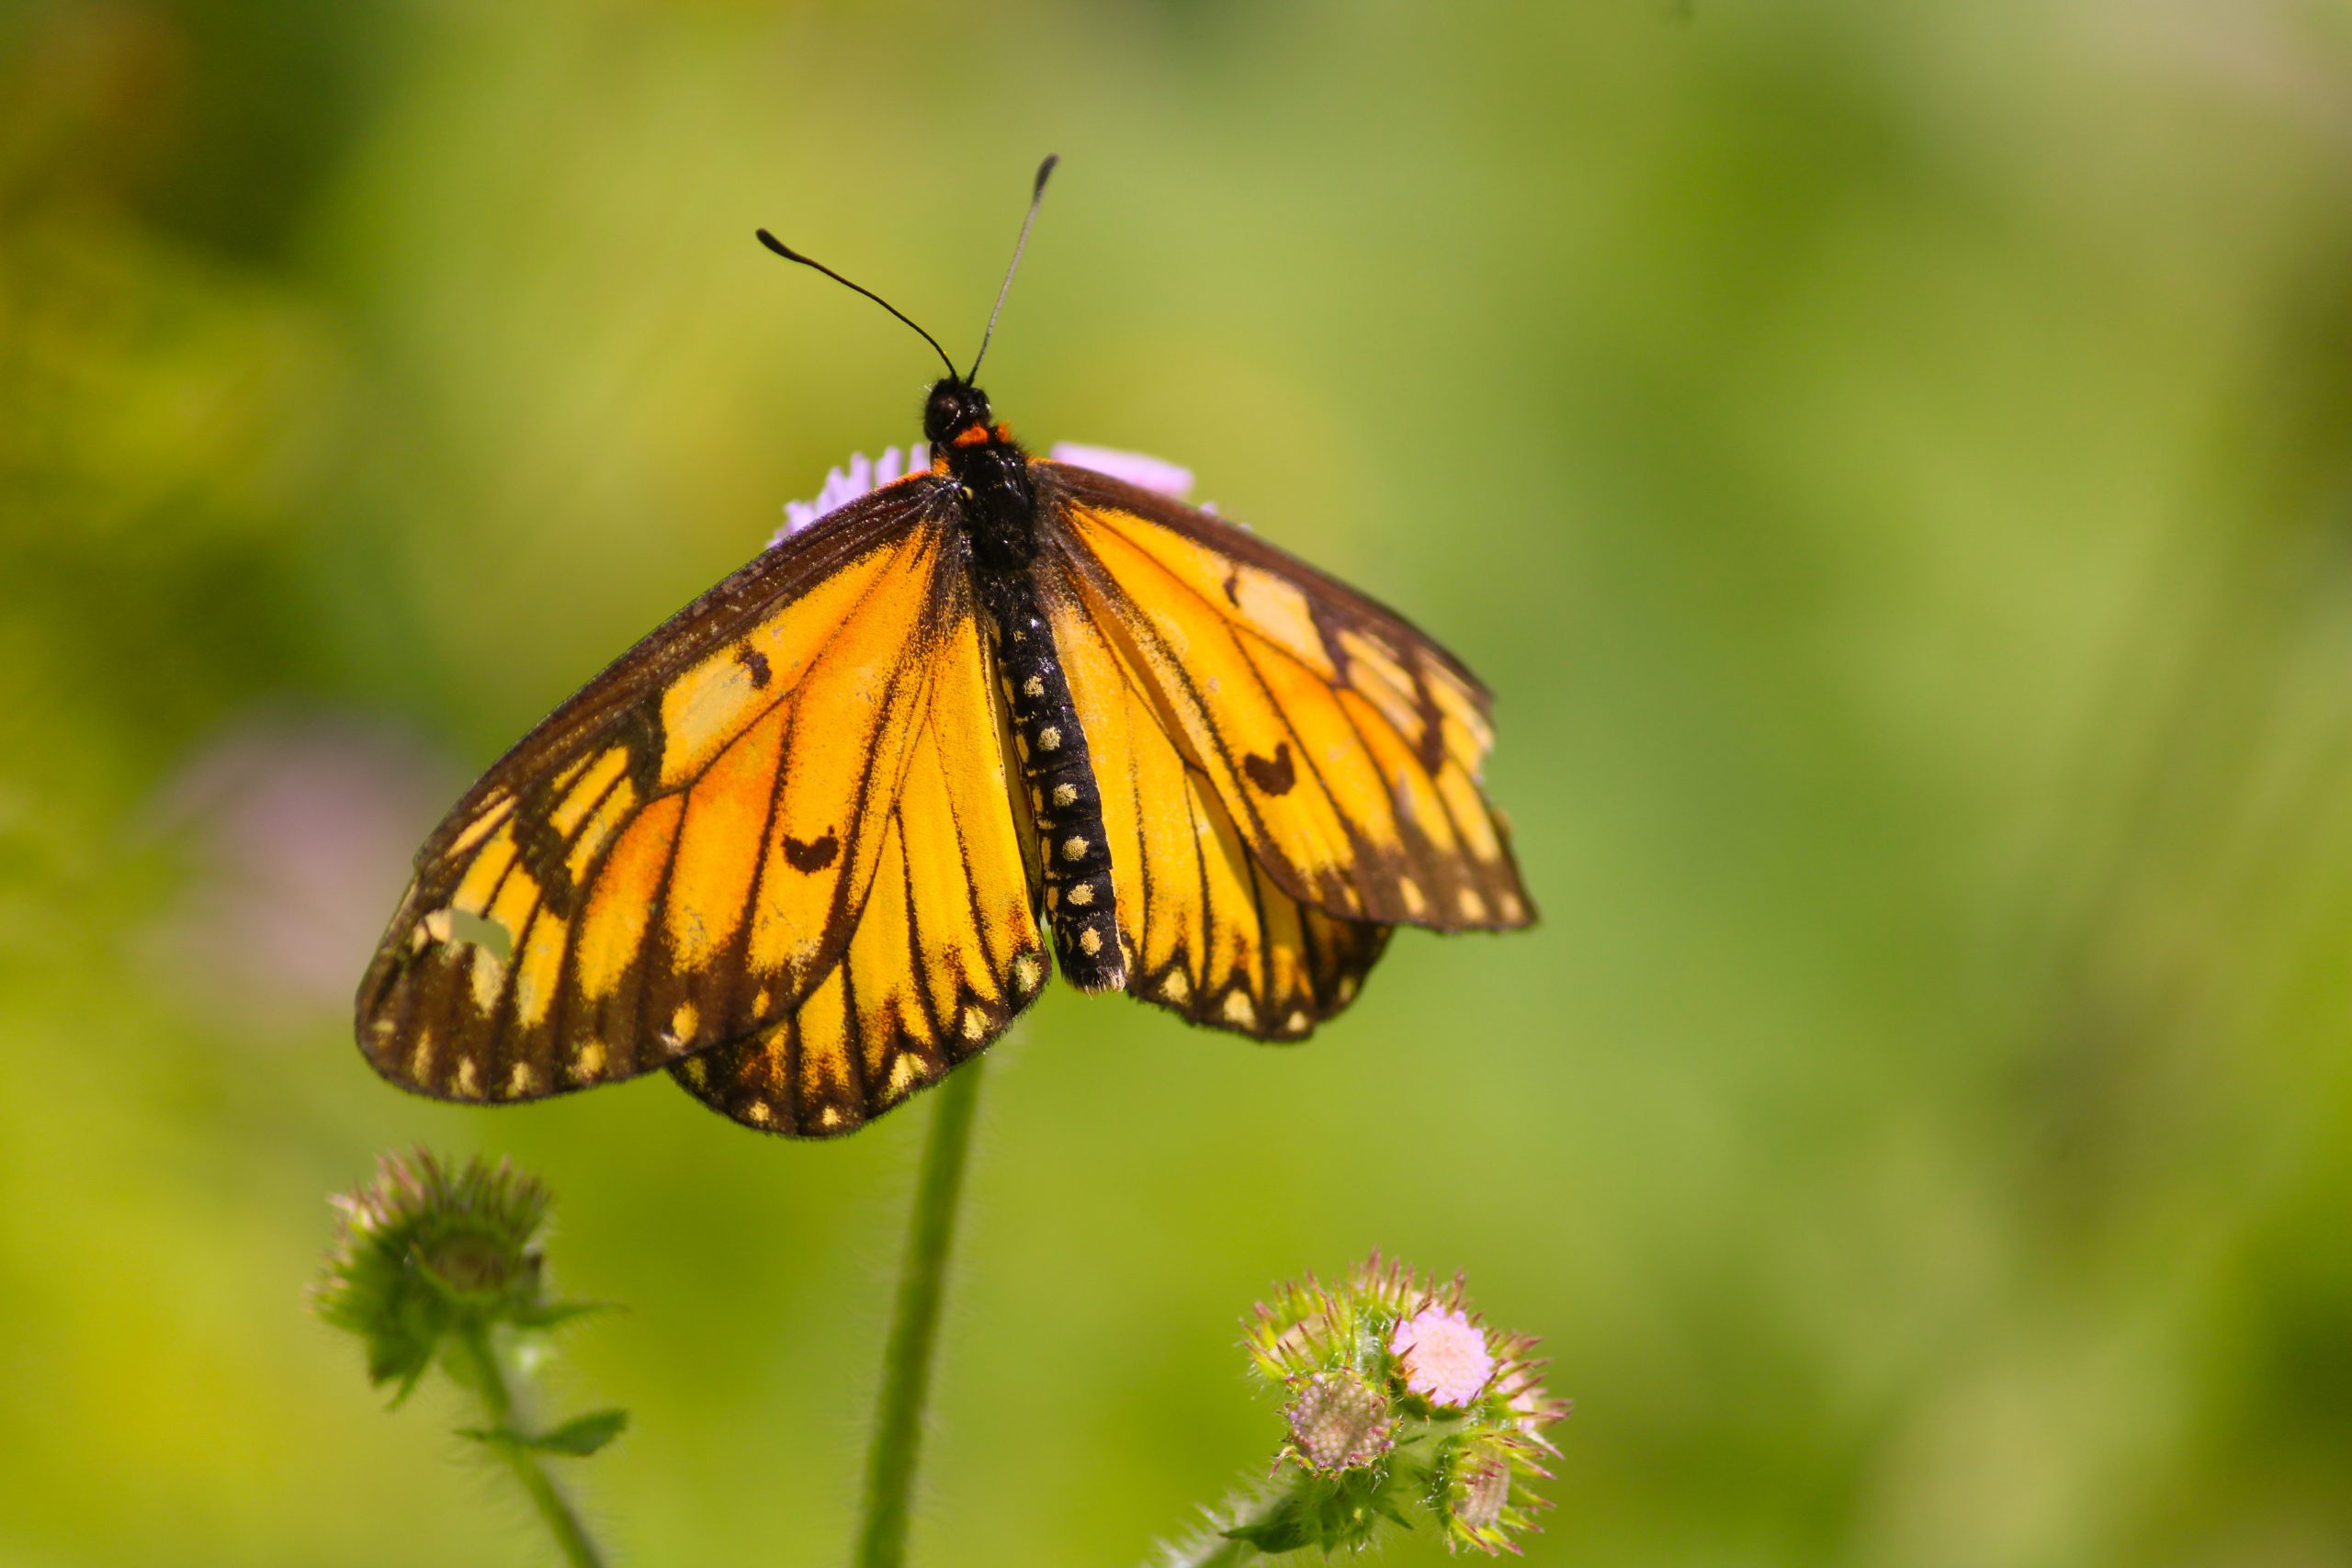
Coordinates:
[991,475]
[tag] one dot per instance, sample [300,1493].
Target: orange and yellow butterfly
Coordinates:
[794,847]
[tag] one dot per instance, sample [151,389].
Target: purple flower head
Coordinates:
[1443,1356]
[840,487]
[1146,473]
[1397,1397]
[864,476]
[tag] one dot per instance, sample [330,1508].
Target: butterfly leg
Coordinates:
[1063,796]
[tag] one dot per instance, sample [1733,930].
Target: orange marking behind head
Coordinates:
[971,435]
[1005,433]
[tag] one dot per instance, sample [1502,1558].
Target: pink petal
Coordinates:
[1146,473]
[840,488]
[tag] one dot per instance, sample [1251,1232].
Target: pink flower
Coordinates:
[1386,1363]
[1146,473]
[1443,1356]
[840,488]
[864,475]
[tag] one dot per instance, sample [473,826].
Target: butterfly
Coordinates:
[803,847]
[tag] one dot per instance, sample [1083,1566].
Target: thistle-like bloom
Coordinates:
[1398,1396]
[841,488]
[425,1265]
[1144,473]
[1479,1488]
[862,477]
[423,1253]
[1443,1356]
[1337,1421]
[1518,1388]
[1310,1328]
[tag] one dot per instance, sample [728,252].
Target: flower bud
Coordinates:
[1339,1421]
[423,1253]
[1481,1487]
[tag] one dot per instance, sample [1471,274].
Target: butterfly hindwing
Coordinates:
[673,858]
[945,950]
[1209,934]
[1343,745]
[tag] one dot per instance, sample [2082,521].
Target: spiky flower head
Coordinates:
[1442,1356]
[863,476]
[1479,1489]
[423,1252]
[1337,1421]
[1310,1327]
[1136,468]
[1397,1397]
[1516,1389]
[844,486]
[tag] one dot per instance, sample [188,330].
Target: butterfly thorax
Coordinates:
[991,475]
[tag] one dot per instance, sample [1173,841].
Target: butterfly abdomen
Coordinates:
[1064,799]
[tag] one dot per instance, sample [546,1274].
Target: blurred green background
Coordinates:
[1893,463]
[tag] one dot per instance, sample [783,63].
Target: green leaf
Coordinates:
[582,1435]
[549,1314]
[494,1437]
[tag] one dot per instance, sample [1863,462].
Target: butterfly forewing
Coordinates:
[1343,745]
[673,857]
[944,951]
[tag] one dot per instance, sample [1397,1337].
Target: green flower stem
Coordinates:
[906,1364]
[1212,1548]
[1224,1554]
[479,1369]
[1221,1554]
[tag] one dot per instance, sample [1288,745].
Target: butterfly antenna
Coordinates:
[1036,194]
[788,254]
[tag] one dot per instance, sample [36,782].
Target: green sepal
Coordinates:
[1284,1532]
[409,1378]
[1332,1513]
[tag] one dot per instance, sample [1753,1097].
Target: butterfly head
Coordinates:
[957,414]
